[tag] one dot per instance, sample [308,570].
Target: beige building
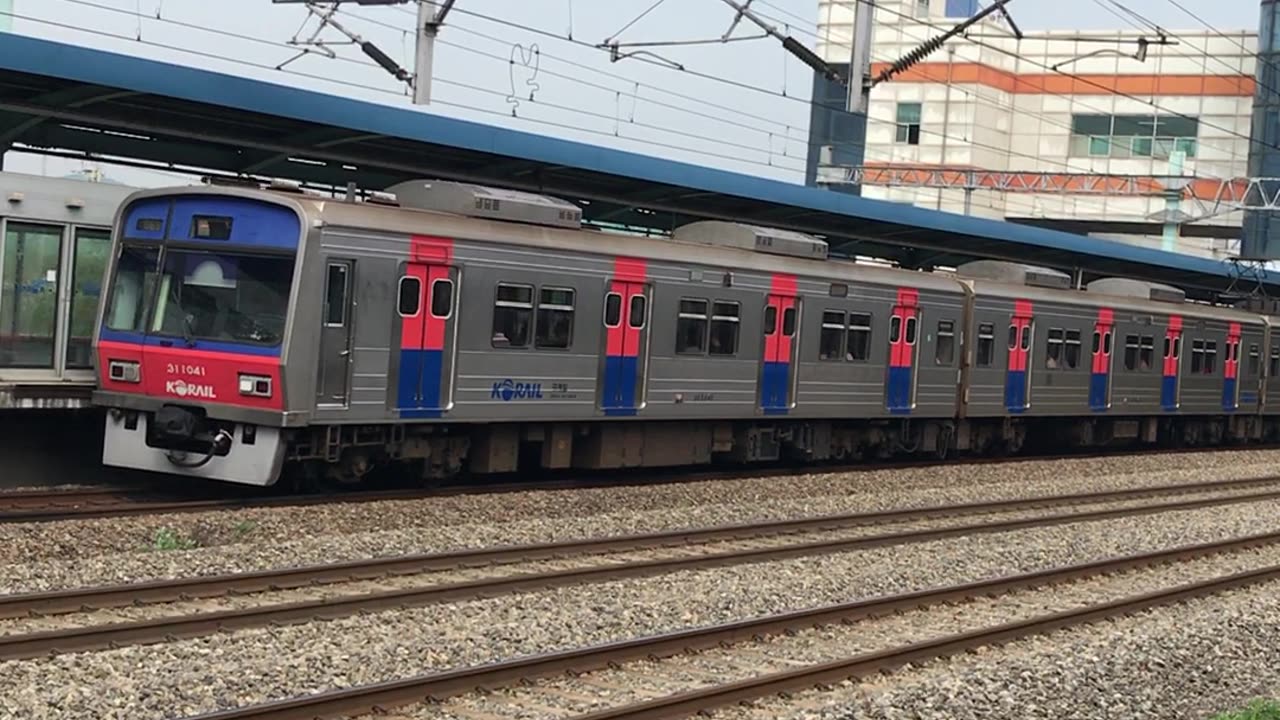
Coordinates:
[1064,126]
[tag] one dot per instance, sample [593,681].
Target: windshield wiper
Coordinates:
[188,330]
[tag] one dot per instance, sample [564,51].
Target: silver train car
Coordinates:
[55,239]
[253,334]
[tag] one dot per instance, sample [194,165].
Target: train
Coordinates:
[254,334]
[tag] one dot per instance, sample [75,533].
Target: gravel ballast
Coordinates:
[116,550]
[1190,660]
[254,665]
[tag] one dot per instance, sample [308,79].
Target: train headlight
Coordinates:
[124,371]
[255,385]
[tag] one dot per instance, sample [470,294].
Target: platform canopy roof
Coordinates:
[69,100]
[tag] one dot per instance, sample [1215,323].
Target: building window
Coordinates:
[909,123]
[922,8]
[986,345]
[1133,136]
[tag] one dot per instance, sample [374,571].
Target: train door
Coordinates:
[1017,383]
[1100,377]
[426,300]
[904,330]
[1231,369]
[1171,383]
[333,371]
[626,323]
[778,366]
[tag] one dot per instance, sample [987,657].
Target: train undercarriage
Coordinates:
[347,453]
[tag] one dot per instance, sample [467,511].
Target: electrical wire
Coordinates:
[223,33]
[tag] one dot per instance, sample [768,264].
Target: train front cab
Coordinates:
[192,339]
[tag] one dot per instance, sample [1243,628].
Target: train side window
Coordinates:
[1026,336]
[442,298]
[789,322]
[410,296]
[1071,354]
[986,345]
[1146,353]
[895,329]
[691,327]
[1197,356]
[554,329]
[859,336]
[1275,361]
[1168,347]
[1210,356]
[1252,367]
[1130,352]
[1106,343]
[1097,341]
[770,319]
[512,316]
[1053,349]
[612,310]
[635,318]
[725,322]
[831,342]
[1177,348]
[911,330]
[945,351]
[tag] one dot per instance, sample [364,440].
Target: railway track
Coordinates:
[470,574]
[763,656]
[79,504]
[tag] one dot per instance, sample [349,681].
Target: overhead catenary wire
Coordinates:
[735,158]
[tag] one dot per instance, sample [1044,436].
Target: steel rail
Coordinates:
[108,596]
[17,646]
[439,686]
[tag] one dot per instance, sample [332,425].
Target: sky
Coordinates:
[491,68]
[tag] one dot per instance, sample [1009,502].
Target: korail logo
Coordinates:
[185,389]
[509,390]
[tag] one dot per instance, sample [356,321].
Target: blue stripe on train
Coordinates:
[1169,393]
[419,369]
[619,396]
[1098,392]
[1015,391]
[775,387]
[898,391]
[1228,393]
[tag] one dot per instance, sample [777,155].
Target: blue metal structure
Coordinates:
[73,101]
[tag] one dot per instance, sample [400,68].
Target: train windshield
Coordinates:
[195,295]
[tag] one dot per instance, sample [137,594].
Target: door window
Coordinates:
[335,297]
[89,265]
[29,295]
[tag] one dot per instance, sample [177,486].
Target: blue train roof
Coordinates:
[55,96]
